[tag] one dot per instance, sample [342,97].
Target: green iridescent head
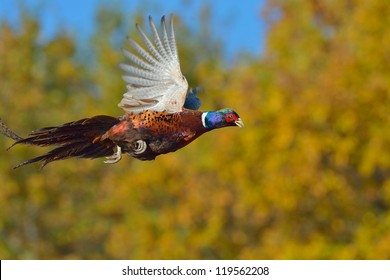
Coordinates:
[221,118]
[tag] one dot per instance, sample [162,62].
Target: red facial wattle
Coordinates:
[230,117]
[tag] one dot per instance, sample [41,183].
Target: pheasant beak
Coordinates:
[239,123]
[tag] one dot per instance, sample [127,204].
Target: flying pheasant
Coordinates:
[161,114]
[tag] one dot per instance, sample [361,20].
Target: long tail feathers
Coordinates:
[8,132]
[74,139]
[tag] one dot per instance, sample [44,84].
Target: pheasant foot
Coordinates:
[115,157]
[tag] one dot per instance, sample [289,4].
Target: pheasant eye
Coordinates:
[229,117]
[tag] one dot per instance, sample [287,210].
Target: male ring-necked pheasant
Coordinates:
[161,114]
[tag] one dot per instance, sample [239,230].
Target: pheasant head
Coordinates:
[221,118]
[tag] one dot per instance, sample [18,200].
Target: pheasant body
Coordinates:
[160,131]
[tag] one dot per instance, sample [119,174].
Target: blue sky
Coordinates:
[237,23]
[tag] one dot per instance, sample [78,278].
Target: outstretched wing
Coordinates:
[154,79]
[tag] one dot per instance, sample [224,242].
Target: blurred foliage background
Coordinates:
[309,176]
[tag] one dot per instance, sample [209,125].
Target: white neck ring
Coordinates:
[204,114]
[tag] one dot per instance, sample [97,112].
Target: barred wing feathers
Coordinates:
[154,79]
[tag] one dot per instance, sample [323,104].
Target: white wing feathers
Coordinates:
[154,79]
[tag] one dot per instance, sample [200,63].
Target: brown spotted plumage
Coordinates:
[161,114]
[162,132]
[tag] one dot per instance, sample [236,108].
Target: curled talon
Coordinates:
[117,156]
[139,147]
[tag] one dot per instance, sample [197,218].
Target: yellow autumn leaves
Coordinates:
[308,177]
